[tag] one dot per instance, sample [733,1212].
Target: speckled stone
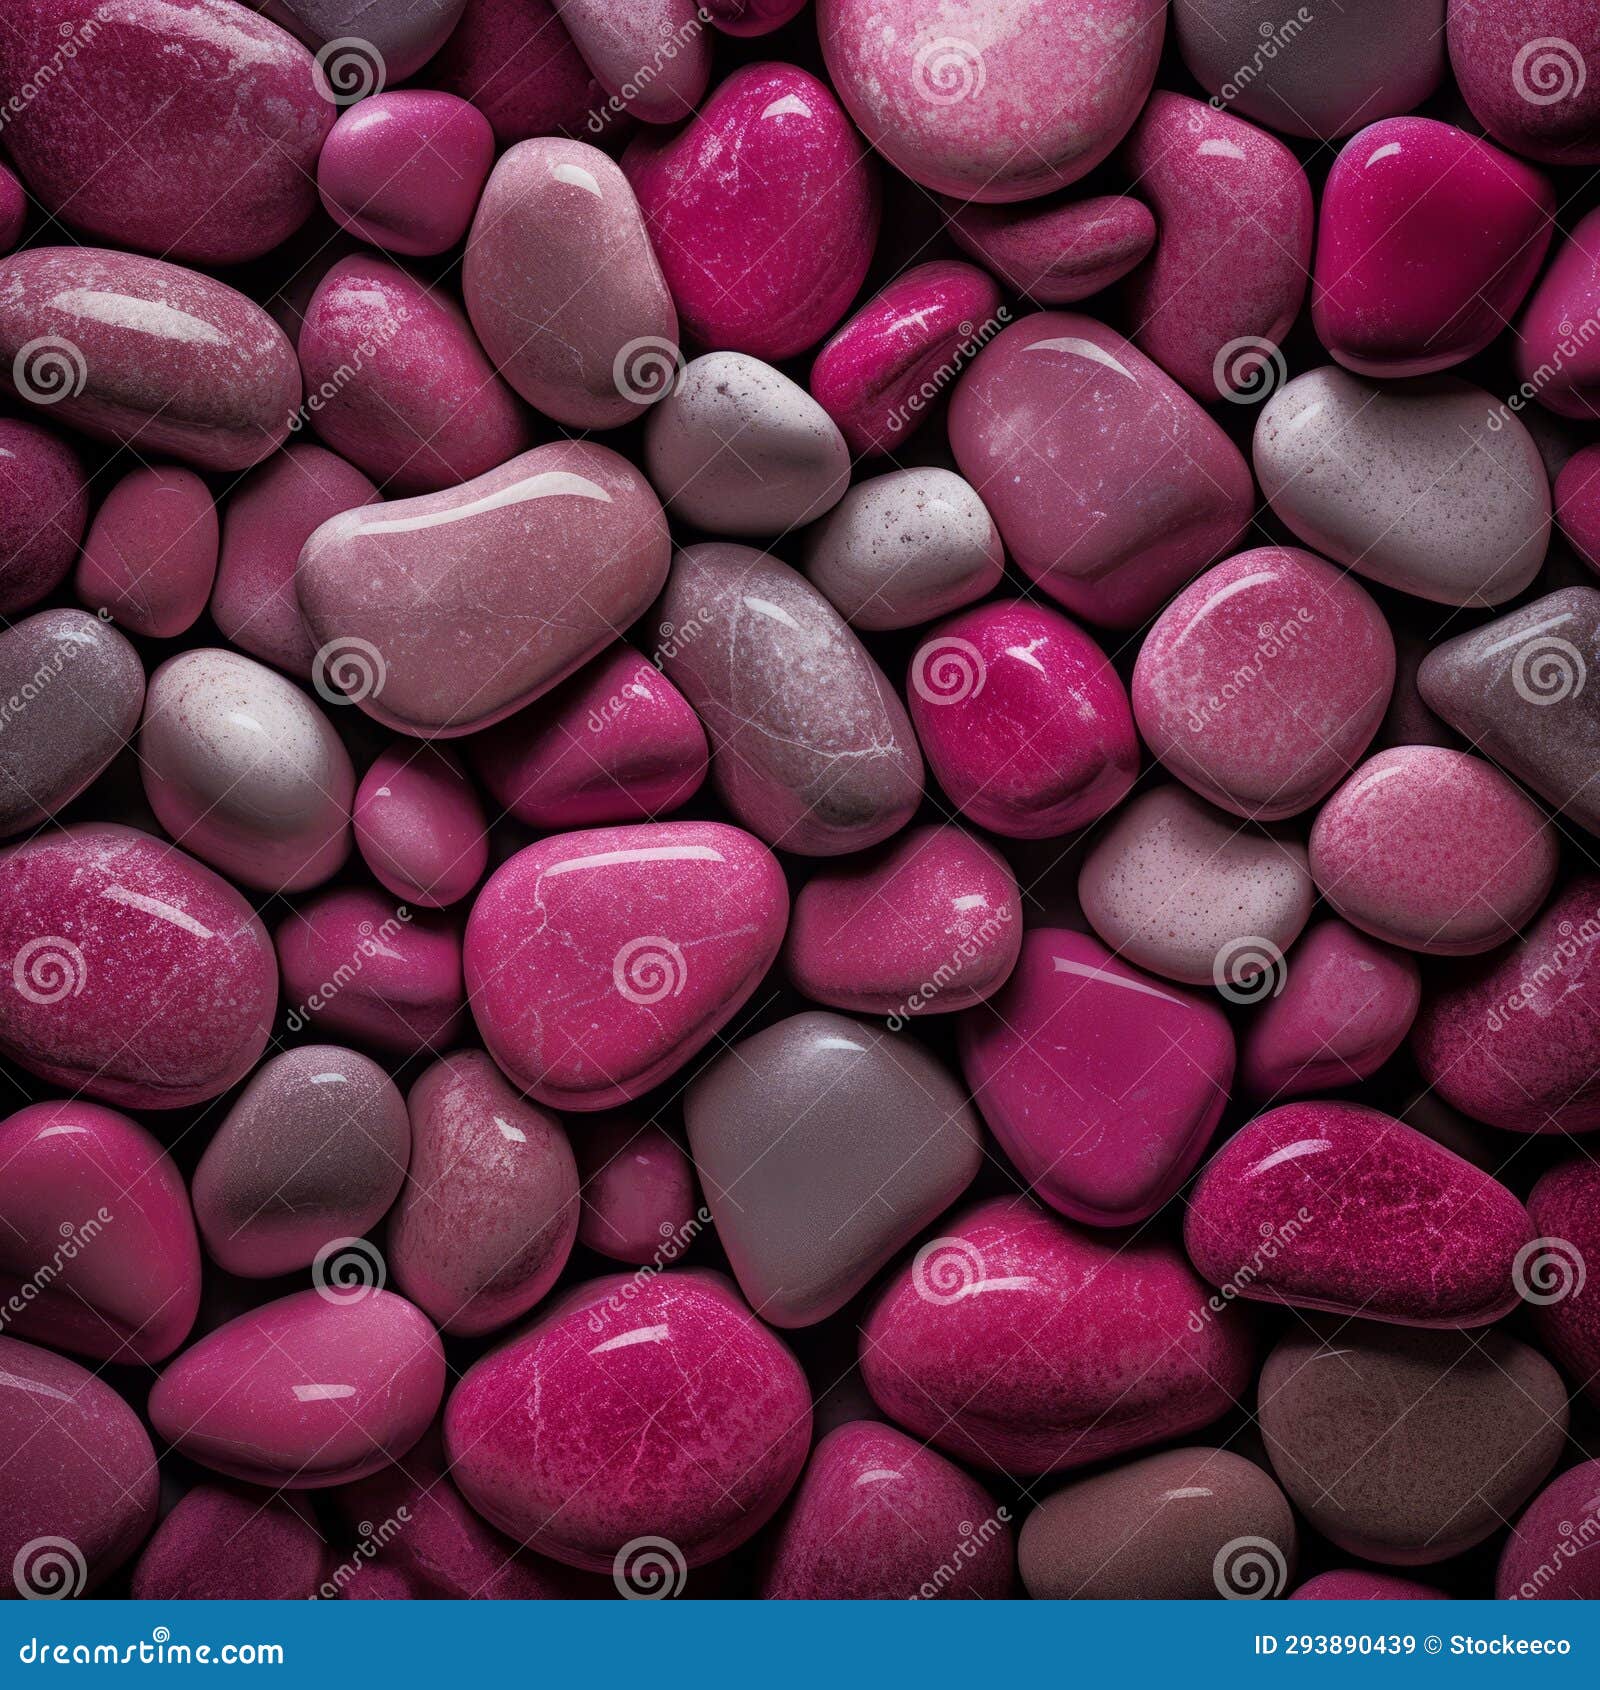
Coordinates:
[1056,254]
[1553,1552]
[1357,1584]
[1565,1205]
[419,825]
[638,1191]
[1366,1425]
[13,210]
[652,56]
[151,553]
[1526,68]
[1554,350]
[42,514]
[404,34]
[223,1543]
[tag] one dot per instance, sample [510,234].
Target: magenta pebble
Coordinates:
[43,511]
[151,555]
[225,1543]
[419,825]
[638,1191]
[1062,253]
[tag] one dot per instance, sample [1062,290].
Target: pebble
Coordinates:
[43,513]
[751,17]
[1577,504]
[1357,1584]
[222,1543]
[13,210]
[1565,1205]
[1526,70]
[638,1191]
[1551,1554]
[420,826]
[653,57]
[151,554]
[1060,253]
[1554,349]
[401,35]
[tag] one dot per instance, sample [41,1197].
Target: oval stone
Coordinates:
[653,57]
[1553,1552]
[1061,253]
[638,1191]
[1565,1205]
[227,1544]
[1526,68]
[419,825]
[151,554]
[42,514]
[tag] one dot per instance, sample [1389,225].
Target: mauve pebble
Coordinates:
[135,351]
[811,747]
[1110,485]
[751,17]
[1427,486]
[638,1191]
[763,211]
[878,1516]
[616,743]
[13,210]
[1366,1427]
[1526,70]
[903,548]
[486,1221]
[404,170]
[1365,1216]
[88,1493]
[125,1285]
[71,688]
[1184,1525]
[1228,273]
[635,1405]
[653,56]
[1180,888]
[878,375]
[1565,1205]
[1059,253]
[420,826]
[151,553]
[188,128]
[397,384]
[1357,1584]
[312,1153]
[1553,1552]
[42,514]
[737,448]
[397,37]
[1554,349]
[224,1544]
[139,977]
[1577,504]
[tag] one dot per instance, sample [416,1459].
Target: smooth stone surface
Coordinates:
[42,514]
[490,1207]
[152,108]
[304,1392]
[693,1426]
[1356,1584]
[763,212]
[1185,1525]
[616,743]
[266,519]
[1577,504]
[638,1191]
[1320,75]
[1346,1006]
[1512,1040]
[151,553]
[242,769]
[1110,486]
[1102,1085]
[90,1476]
[404,34]
[564,290]
[1177,887]
[808,1207]
[903,548]
[1427,241]
[147,354]
[150,982]
[652,56]
[928,924]
[1368,1216]
[1554,351]
[223,1544]
[422,409]
[1434,850]
[1565,1205]
[1060,253]
[735,447]
[811,747]
[1025,723]
[1228,274]
[71,688]
[1263,681]
[599,962]
[1020,1343]
[420,826]
[1365,1426]
[751,17]
[1526,68]
[878,1516]
[357,966]
[98,1252]
[1551,1554]
[1516,688]
[879,373]
[1429,487]
[314,1151]
[450,611]
[992,103]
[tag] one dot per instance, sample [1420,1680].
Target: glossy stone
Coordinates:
[314,1151]
[223,1544]
[598,963]
[401,35]
[808,1207]
[811,747]
[420,826]
[70,692]
[1526,70]
[1025,723]
[1565,1205]
[1553,1552]
[308,1391]
[1110,486]
[1554,351]
[151,552]
[1367,1216]
[694,1422]
[653,56]
[638,1192]
[43,511]
[1366,1425]
[1102,1085]
[1429,487]
[1577,504]
[490,1207]
[450,611]
[140,977]
[1060,253]
[135,351]
[1357,1584]
[763,212]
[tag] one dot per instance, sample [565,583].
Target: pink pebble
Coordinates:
[1565,1205]
[44,505]
[1577,504]
[763,212]
[652,56]
[1526,68]
[1058,254]
[1357,1584]
[751,17]
[598,963]
[1025,723]
[133,974]
[1554,353]
[13,210]
[638,1191]
[151,554]
[224,1544]
[420,825]
[404,170]
[1553,1552]
[637,1406]
[315,1389]
[879,374]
